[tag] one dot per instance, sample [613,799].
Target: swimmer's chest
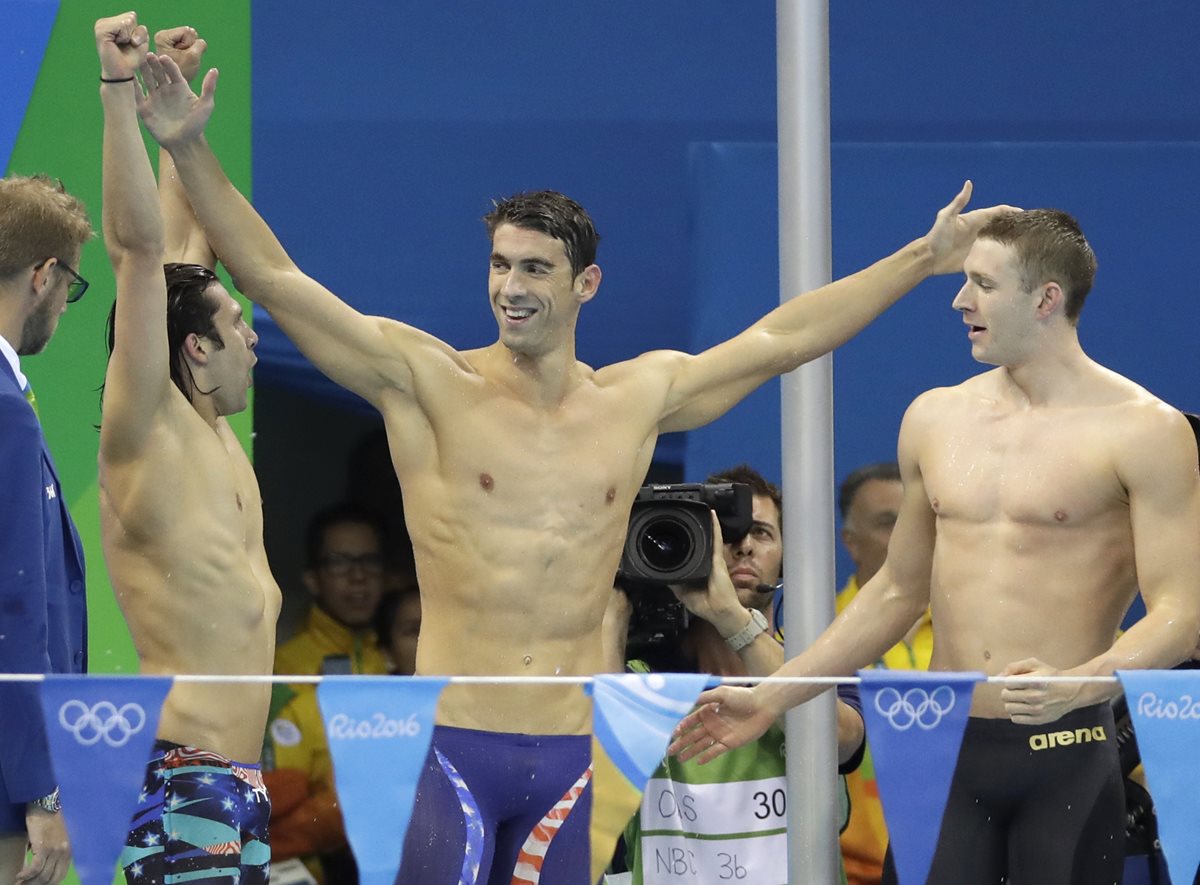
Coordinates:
[586,453]
[1030,468]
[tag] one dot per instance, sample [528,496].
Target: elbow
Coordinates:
[124,248]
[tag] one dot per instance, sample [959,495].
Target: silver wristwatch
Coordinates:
[49,803]
[757,626]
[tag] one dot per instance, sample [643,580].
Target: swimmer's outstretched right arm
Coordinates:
[884,609]
[367,355]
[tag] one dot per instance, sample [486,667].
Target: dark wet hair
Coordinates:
[334,515]
[1050,246]
[189,310]
[553,214]
[885,470]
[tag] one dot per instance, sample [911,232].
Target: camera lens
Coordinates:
[665,544]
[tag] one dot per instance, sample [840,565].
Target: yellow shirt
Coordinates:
[322,636]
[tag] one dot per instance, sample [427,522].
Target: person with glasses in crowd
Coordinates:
[180,509]
[345,575]
[43,608]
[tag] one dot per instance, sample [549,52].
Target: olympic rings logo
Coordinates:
[915,707]
[104,721]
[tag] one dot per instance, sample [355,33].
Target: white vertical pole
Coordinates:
[802,49]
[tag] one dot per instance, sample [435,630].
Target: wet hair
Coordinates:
[190,310]
[553,214]
[1049,246]
[335,515]
[759,485]
[889,471]
[39,220]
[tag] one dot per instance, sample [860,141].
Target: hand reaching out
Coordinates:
[954,231]
[171,111]
[724,718]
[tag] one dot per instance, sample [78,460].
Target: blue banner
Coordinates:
[633,717]
[100,730]
[379,729]
[1165,708]
[915,723]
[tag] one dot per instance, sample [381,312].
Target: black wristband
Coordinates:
[116,80]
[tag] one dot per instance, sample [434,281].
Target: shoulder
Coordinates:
[403,338]
[19,423]
[649,367]
[933,406]
[1152,444]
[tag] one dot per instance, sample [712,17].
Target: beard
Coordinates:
[38,330]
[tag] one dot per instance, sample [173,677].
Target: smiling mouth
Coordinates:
[518,315]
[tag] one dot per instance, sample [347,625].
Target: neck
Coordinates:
[205,407]
[1053,372]
[544,378]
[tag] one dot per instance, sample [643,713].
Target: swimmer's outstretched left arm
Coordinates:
[185,239]
[705,386]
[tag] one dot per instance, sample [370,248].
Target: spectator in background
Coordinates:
[869,500]
[727,634]
[345,576]
[397,626]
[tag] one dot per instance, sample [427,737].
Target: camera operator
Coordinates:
[727,634]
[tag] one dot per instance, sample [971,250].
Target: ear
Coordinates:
[194,349]
[42,278]
[1051,299]
[587,283]
[850,542]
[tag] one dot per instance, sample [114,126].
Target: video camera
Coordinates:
[670,539]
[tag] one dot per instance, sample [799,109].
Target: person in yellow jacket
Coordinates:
[868,501]
[345,575]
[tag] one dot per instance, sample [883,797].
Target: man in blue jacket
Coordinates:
[43,617]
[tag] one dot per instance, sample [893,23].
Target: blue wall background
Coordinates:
[381,133]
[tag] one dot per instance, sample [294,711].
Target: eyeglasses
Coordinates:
[76,287]
[342,564]
[78,284]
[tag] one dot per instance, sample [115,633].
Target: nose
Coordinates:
[962,299]
[511,285]
[252,339]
